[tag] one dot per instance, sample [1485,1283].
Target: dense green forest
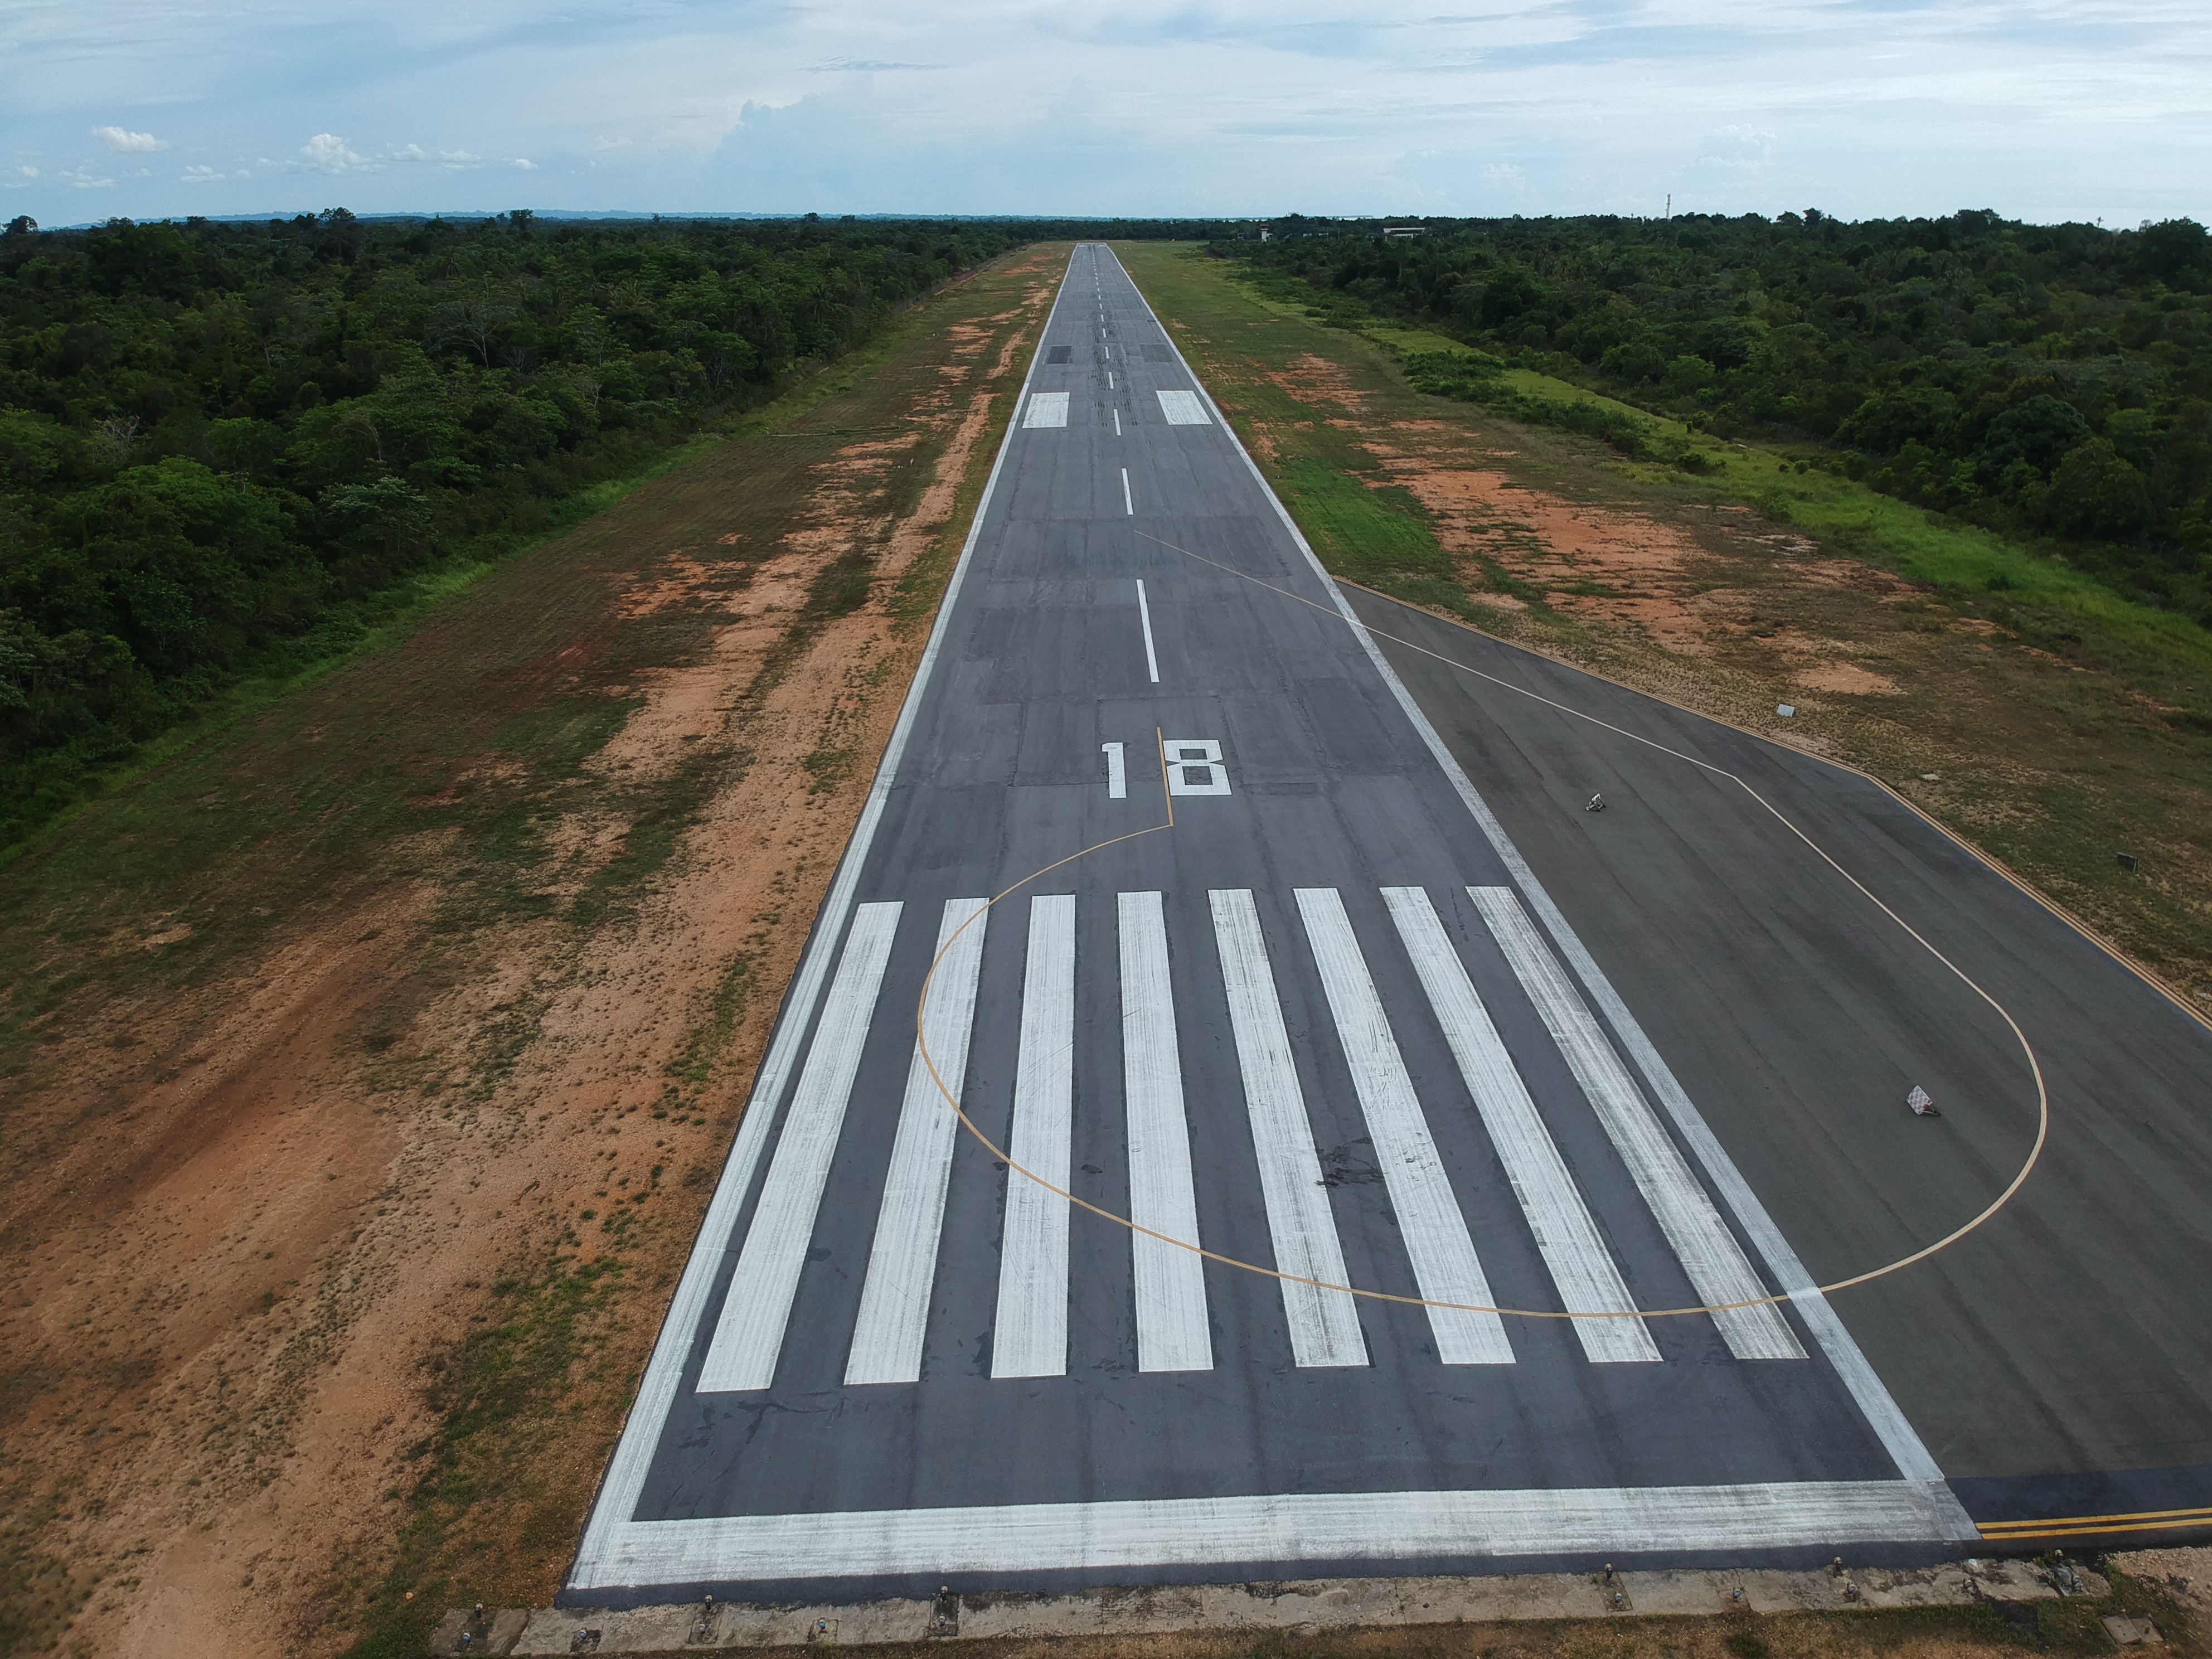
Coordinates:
[225,448]
[2052,383]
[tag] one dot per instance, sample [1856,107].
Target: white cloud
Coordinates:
[198,174]
[28,170]
[2052,109]
[134,144]
[527,165]
[328,152]
[82,177]
[1736,149]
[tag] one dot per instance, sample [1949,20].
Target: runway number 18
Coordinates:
[1193,767]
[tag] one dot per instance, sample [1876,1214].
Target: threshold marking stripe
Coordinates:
[1588,1279]
[749,1335]
[1183,408]
[1046,408]
[1172,1334]
[1717,1269]
[1145,617]
[1029,1337]
[1378,1526]
[1324,1325]
[1127,505]
[1429,1216]
[893,1318]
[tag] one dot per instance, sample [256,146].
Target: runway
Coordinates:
[1318,1005]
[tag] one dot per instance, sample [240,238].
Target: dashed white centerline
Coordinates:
[1145,617]
[1117,422]
[1128,505]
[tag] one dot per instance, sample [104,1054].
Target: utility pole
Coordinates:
[1670,206]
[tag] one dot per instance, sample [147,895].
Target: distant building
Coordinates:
[1397,233]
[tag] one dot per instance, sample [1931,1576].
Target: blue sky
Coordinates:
[2043,109]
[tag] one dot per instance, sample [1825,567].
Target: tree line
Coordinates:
[2052,383]
[224,446]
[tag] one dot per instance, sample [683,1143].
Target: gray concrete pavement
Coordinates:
[1336,1021]
[2058,1361]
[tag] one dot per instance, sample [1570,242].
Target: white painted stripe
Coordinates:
[1372,1526]
[656,1395]
[1046,408]
[1110,387]
[1029,1336]
[1429,1217]
[1145,615]
[1710,1255]
[1868,1391]
[1117,770]
[1324,1325]
[748,1336]
[1117,413]
[1127,505]
[1170,1283]
[887,1338]
[1183,408]
[1581,1267]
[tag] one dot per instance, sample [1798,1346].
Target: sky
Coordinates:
[2044,110]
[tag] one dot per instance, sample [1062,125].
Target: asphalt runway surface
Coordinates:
[1344,985]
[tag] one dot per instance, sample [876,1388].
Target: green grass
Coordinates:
[1921,546]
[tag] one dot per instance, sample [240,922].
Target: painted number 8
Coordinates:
[1194,767]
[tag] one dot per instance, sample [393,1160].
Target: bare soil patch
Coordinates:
[367,1070]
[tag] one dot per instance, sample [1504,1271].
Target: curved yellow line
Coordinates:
[2035,1067]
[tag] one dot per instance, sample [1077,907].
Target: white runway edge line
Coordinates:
[1029,1338]
[1046,408]
[1429,1219]
[1145,617]
[1708,1251]
[1567,1237]
[894,1317]
[1381,1526]
[1170,1284]
[748,1336]
[620,1488]
[1898,1436]
[1324,1325]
